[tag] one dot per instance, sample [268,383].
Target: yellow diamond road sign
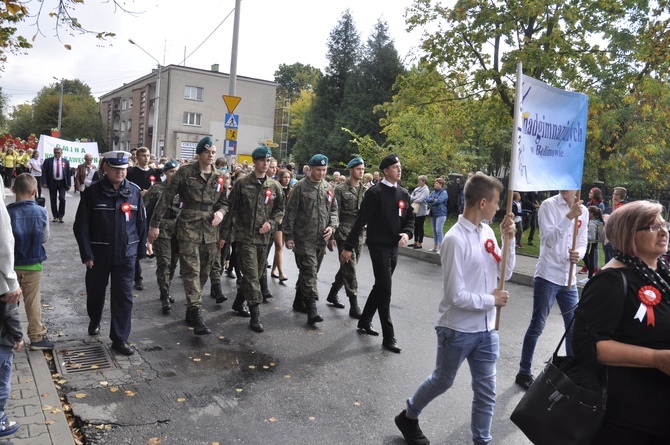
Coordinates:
[231,102]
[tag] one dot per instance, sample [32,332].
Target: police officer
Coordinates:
[201,189]
[256,208]
[349,197]
[110,228]
[310,221]
[390,223]
[166,246]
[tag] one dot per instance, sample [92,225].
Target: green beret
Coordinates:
[204,144]
[317,161]
[169,165]
[355,162]
[261,152]
[388,161]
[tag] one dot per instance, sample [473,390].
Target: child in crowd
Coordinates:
[595,236]
[517,210]
[30,227]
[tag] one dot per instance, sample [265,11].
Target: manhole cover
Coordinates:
[84,358]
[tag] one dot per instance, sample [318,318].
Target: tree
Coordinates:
[3,109]
[294,79]
[21,121]
[319,124]
[13,12]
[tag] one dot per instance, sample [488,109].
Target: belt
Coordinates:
[196,206]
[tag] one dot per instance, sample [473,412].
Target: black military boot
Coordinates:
[240,306]
[255,322]
[194,318]
[299,303]
[263,281]
[166,306]
[355,311]
[313,316]
[332,297]
[217,293]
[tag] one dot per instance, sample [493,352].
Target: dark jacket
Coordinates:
[10,324]
[104,232]
[48,172]
[30,227]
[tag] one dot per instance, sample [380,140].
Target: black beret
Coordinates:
[388,161]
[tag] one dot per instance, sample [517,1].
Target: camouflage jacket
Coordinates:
[349,200]
[151,198]
[311,208]
[253,203]
[201,196]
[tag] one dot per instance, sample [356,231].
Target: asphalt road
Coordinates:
[292,384]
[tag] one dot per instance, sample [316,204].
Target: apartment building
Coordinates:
[190,107]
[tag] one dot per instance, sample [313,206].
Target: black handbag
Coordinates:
[566,403]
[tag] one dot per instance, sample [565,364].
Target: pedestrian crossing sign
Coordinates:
[232,120]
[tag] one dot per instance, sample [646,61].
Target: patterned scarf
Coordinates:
[659,277]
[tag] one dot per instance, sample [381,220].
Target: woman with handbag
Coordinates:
[418,199]
[623,323]
[437,202]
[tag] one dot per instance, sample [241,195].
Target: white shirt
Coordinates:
[35,165]
[470,276]
[556,232]
[384,181]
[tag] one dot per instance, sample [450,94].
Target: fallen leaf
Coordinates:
[207,354]
[357,403]
[75,365]
[104,383]
[55,411]
[154,441]
[215,443]
[273,364]
[113,389]
[55,375]
[266,367]
[239,389]
[49,422]
[221,337]
[81,354]
[29,380]
[80,395]
[47,407]
[197,359]
[311,418]
[44,395]
[181,399]
[95,367]
[60,334]
[252,367]
[272,419]
[129,393]
[61,381]
[100,427]
[287,376]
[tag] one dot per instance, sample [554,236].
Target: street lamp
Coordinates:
[60,104]
[154,139]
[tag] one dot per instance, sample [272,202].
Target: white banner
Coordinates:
[551,138]
[72,151]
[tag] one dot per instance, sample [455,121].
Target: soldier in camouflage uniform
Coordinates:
[256,207]
[310,221]
[201,189]
[166,246]
[349,197]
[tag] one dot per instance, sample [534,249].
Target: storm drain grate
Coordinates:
[84,358]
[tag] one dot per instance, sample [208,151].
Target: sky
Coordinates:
[272,32]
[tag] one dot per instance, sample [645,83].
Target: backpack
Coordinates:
[600,233]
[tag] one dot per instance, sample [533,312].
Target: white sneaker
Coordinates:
[583,281]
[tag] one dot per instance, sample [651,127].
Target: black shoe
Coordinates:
[299,304]
[267,296]
[255,322]
[366,327]
[530,243]
[138,285]
[355,311]
[217,293]
[391,345]
[123,347]
[313,316]
[166,305]
[410,430]
[524,380]
[332,298]
[93,328]
[240,306]
[194,318]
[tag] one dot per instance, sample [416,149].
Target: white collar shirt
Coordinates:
[556,233]
[384,181]
[470,275]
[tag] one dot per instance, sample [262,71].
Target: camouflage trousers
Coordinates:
[252,260]
[308,259]
[217,267]
[195,261]
[167,257]
[346,275]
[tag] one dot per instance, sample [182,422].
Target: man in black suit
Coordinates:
[56,177]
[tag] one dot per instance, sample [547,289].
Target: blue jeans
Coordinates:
[544,294]
[438,227]
[453,347]
[6,359]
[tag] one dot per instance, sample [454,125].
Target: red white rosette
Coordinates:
[401,207]
[330,196]
[268,195]
[152,179]
[490,247]
[219,182]
[649,297]
[579,224]
[125,208]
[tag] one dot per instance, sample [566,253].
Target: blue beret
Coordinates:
[355,162]
[117,159]
[204,144]
[261,152]
[317,161]
[388,161]
[169,165]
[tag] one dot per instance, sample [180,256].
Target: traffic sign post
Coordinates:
[232,124]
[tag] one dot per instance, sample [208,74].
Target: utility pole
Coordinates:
[60,103]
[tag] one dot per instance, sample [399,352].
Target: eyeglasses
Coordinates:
[656,227]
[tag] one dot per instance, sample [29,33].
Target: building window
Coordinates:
[123,125]
[130,103]
[192,119]
[192,93]
[130,124]
[123,104]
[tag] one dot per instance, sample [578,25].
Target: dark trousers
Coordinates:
[418,228]
[57,208]
[532,223]
[590,258]
[121,296]
[384,260]
[138,270]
